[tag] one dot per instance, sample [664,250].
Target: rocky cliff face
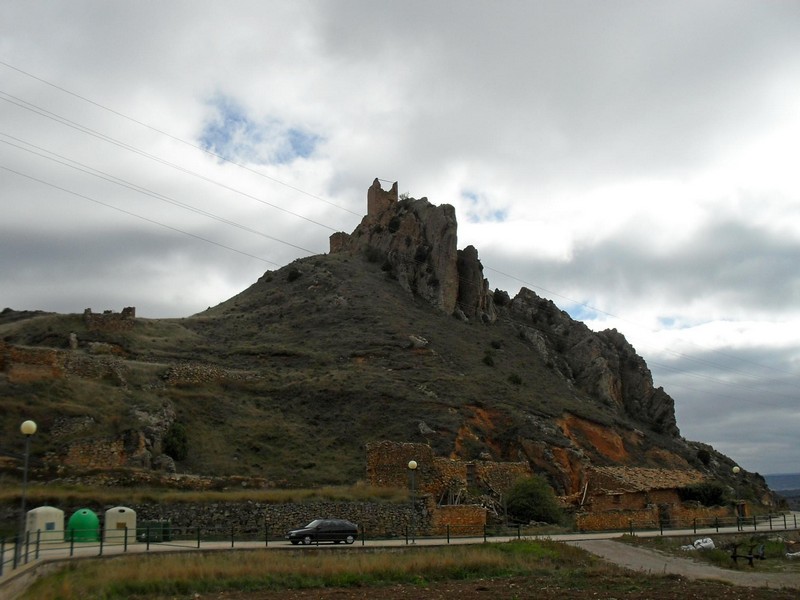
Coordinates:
[604,364]
[417,241]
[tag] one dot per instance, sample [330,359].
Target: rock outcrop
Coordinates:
[416,241]
[602,364]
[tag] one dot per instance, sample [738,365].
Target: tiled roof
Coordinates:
[640,479]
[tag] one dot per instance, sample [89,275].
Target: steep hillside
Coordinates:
[394,335]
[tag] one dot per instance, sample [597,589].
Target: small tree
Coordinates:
[176,443]
[532,499]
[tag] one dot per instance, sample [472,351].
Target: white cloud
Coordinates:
[634,157]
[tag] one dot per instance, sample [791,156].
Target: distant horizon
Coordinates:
[783,481]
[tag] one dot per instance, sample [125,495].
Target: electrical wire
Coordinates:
[42,112]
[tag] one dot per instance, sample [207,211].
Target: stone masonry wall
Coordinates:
[674,515]
[32,364]
[387,466]
[618,519]
[461,520]
[374,518]
[633,500]
[110,321]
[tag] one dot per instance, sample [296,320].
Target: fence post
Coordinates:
[27,545]
[147,537]
[231,536]
[694,525]
[484,533]
[784,520]
[406,535]
[266,536]
[630,526]
[769,516]
[363,536]
[71,542]
[448,533]
[2,555]
[100,531]
[519,531]
[125,540]
[198,537]
[716,523]
[755,527]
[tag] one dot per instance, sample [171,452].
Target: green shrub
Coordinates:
[711,493]
[176,444]
[532,499]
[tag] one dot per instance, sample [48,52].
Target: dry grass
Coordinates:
[194,573]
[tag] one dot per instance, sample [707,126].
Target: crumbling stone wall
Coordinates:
[339,242]
[378,200]
[617,519]
[109,320]
[127,450]
[633,500]
[460,520]
[387,466]
[32,364]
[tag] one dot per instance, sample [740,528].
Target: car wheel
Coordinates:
[307,540]
[349,539]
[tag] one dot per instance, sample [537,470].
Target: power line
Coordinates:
[42,112]
[132,214]
[136,188]
[64,121]
[173,137]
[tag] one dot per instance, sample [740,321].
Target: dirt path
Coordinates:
[656,563]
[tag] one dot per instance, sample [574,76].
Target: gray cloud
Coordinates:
[632,157]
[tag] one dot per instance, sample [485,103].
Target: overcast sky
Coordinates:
[636,162]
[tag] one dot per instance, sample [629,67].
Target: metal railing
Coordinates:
[19,551]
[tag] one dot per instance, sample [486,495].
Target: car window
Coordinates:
[315,523]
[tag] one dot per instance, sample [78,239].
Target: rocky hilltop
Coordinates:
[394,335]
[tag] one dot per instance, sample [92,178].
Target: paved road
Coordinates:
[649,561]
[12,582]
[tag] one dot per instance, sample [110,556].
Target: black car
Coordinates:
[325,530]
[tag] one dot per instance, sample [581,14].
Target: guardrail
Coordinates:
[19,551]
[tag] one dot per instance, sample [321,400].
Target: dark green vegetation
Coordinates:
[711,493]
[532,499]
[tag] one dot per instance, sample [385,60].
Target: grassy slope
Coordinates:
[324,343]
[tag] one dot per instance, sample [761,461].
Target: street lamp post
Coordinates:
[736,470]
[412,469]
[28,428]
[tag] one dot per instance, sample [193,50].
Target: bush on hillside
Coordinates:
[176,444]
[711,493]
[532,499]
